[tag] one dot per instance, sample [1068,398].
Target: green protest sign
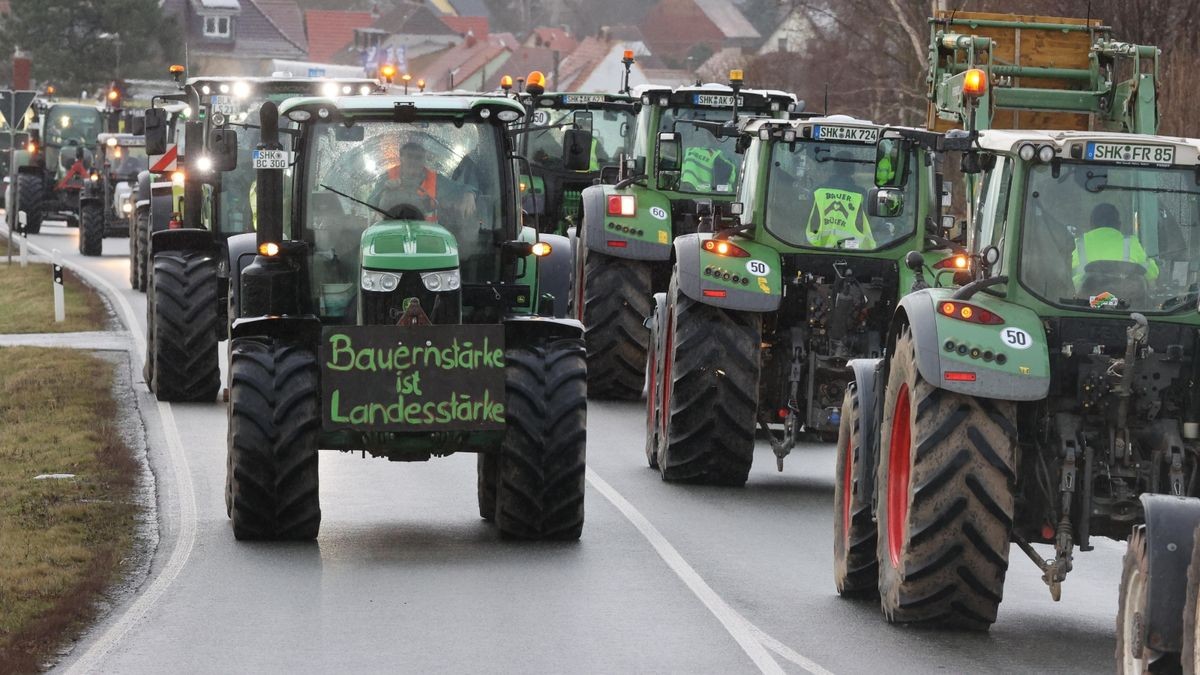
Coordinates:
[412,378]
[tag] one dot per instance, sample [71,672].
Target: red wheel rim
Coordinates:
[898,475]
[847,484]
[668,359]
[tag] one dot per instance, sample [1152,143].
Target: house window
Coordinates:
[215,26]
[783,44]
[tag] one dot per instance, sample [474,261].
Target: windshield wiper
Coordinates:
[374,208]
[1130,188]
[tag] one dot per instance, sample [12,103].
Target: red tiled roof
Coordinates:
[526,59]
[330,31]
[580,63]
[476,25]
[466,59]
[286,17]
[552,38]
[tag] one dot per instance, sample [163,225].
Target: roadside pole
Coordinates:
[10,202]
[60,308]
[24,239]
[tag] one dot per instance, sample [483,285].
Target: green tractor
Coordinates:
[1050,399]
[104,205]
[51,177]
[764,310]
[183,250]
[390,310]
[681,170]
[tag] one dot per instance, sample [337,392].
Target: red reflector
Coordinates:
[174,224]
[783,413]
[958,376]
[710,293]
[1047,531]
[616,243]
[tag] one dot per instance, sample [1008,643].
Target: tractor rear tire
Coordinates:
[944,499]
[616,302]
[30,200]
[139,245]
[855,538]
[183,339]
[91,230]
[1133,656]
[274,421]
[1191,613]
[709,391]
[485,484]
[542,464]
[654,369]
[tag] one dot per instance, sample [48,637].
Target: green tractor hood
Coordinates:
[408,246]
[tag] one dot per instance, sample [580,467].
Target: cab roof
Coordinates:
[362,105]
[709,88]
[259,79]
[1007,141]
[757,123]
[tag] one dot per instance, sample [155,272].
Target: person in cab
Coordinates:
[839,216]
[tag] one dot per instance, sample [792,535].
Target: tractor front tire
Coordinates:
[1191,613]
[485,484]
[274,421]
[855,567]
[616,302]
[944,500]
[139,245]
[541,469]
[183,359]
[709,391]
[32,194]
[654,369]
[91,230]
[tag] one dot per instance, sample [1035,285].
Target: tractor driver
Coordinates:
[839,218]
[413,183]
[1104,241]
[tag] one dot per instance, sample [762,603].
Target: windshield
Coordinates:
[1130,235]
[817,197]
[610,135]
[236,194]
[708,164]
[430,171]
[126,160]
[64,125]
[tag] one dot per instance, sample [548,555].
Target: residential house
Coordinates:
[239,37]
[331,31]
[473,65]
[595,66]
[793,34]
[558,39]
[685,33]
[475,26]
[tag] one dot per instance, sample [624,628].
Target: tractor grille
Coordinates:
[380,308]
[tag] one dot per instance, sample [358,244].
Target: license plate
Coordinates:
[1133,154]
[570,99]
[270,159]
[222,104]
[825,132]
[714,100]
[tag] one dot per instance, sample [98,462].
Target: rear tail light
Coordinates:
[711,293]
[967,312]
[959,376]
[725,248]
[622,205]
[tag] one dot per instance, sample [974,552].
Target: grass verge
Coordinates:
[27,300]
[62,541]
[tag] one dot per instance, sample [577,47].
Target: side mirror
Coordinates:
[948,223]
[155,128]
[885,203]
[137,126]
[222,148]
[577,150]
[891,167]
[610,175]
[670,151]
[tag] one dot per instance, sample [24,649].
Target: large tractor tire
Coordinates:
[139,244]
[274,421]
[183,359]
[540,473]
[654,369]
[615,305]
[944,500]
[708,391]
[30,200]
[855,567]
[91,229]
[1134,657]
[485,484]
[1191,613]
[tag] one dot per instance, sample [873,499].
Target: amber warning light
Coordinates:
[974,83]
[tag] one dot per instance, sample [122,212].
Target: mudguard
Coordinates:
[554,272]
[953,353]
[868,380]
[750,283]
[304,330]
[520,329]
[1170,529]
[141,193]
[646,235]
[162,205]
[191,239]
[240,249]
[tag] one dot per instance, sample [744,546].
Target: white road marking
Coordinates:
[89,661]
[749,637]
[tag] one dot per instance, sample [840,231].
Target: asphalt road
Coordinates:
[406,577]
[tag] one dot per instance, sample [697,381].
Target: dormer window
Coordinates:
[218,26]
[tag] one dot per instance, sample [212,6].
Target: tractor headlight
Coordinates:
[446,280]
[385,282]
[127,208]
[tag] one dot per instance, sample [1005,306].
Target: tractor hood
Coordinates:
[408,245]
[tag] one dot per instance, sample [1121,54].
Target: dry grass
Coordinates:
[61,541]
[27,300]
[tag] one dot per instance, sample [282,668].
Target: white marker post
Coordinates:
[24,239]
[60,308]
